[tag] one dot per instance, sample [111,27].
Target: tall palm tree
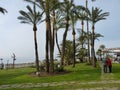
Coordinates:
[73,33]
[32,17]
[82,16]
[54,6]
[59,23]
[67,8]
[94,16]
[45,5]
[73,20]
[82,39]
[2,10]
[88,32]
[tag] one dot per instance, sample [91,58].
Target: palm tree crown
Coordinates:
[97,15]
[30,17]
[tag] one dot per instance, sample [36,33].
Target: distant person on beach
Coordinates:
[104,62]
[109,64]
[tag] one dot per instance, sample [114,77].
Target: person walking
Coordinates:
[104,62]
[109,64]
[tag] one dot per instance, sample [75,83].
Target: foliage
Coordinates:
[96,15]
[68,58]
[59,69]
[68,52]
[2,10]
[81,52]
[31,17]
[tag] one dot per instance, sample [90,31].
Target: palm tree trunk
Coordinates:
[82,23]
[57,43]
[92,47]
[74,47]
[52,43]
[36,48]
[48,37]
[47,46]
[88,34]
[64,39]
[53,21]
[51,52]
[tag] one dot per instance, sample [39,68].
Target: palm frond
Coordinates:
[29,9]
[39,3]
[93,0]
[30,17]
[25,22]
[26,15]
[97,35]
[96,15]
[2,10]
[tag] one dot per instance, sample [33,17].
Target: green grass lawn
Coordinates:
[81,73]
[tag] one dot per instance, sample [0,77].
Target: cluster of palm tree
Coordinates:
[61,14]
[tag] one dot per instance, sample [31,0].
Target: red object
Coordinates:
[109,62]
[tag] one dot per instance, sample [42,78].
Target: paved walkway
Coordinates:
[32,85]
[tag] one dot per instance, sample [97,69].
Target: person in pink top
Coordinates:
[109,64]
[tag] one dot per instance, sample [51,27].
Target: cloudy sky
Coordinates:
[18,38]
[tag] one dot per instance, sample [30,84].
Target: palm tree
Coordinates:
[67,8]
[73,21]
[81,14]
[94,16]
[82,39]
[32,17]
[59,23]
[44,5]
[88,32]
[2,10]
[54,5]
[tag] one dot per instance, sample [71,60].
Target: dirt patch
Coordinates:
[45,74]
